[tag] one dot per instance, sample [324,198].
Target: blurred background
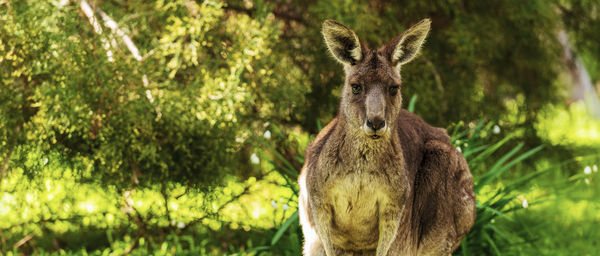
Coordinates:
[179,127]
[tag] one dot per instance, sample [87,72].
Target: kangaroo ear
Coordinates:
[342,42]
[405,47]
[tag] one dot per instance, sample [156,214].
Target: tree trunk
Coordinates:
[583,88]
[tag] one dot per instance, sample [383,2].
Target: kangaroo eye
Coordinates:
[394,90]
[356,88]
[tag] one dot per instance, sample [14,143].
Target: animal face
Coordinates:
[371,97]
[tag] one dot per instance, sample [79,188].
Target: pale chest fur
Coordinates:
[356,189]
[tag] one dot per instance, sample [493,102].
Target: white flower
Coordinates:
[525,204]
[496,129]
[459,149]
[45,161]
[587,170]
[595,168]
[285,207]
[254,158]
[267,134]
[180,225]
[274,204]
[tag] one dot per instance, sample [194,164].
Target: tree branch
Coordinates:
[163,192]
[112,24]
[137,218]
[436,74]
[582,86]
[231,200]
[24,240]
[135,244]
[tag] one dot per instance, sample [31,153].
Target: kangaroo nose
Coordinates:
[376,124]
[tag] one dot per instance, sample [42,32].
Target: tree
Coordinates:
[183,112]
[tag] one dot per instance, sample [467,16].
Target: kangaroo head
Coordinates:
[371,98]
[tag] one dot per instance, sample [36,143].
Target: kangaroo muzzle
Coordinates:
[375,125]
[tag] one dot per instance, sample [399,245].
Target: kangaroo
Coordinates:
[378,180]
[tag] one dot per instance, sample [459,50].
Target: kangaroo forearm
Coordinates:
[389,218]
[322,225]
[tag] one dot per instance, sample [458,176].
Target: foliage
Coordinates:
[464,60]
[583,131]
[181,112]
[581,21]
[501,205]
[190,142]
[486,237]
[55,212]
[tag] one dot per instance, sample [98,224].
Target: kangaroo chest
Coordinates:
[356,192]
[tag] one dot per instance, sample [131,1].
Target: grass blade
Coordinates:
[491,242]
[279,156]
[411,104]
[474,150]
[489,151]
[284,227]
[496,169]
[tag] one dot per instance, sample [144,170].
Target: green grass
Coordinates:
[563,222]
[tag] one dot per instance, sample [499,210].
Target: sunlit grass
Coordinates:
[563,223]
[571,126]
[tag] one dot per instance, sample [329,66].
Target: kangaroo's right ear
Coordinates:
[342,42]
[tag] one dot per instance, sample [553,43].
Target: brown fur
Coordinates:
[407,192]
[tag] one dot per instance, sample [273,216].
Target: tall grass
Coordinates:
[487,237]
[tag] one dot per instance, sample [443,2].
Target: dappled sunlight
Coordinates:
[106,208]
[88,206]
[260,206]
[573,218]
[573,125]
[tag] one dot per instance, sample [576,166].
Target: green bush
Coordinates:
[182,112]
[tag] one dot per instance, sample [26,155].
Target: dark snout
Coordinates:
[375,122]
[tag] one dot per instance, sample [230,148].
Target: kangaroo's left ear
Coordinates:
[405,47]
